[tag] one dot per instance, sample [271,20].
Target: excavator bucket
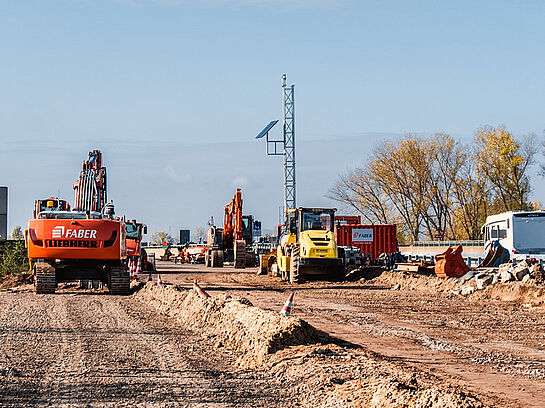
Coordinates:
[450,263]
[496,256]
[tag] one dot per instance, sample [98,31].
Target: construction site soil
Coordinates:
[350,344]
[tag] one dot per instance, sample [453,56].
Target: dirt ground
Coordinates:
[91,349]
[494,349]
[85,348]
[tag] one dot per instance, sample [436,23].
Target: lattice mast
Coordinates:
[288,121]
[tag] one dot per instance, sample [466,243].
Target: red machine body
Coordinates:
[371,239]
[86,243]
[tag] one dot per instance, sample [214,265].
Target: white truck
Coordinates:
[522,233]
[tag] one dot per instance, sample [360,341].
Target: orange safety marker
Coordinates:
[139,267]
[159,280]
[286,310]
[199,290]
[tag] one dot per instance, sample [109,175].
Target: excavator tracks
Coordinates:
[44,278]
[119,282]
[240,254]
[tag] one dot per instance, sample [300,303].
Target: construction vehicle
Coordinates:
[135,231]
[232,242]
[85,243]
[306,248]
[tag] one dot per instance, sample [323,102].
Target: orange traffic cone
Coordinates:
[286,310]
[159,280]
[199,290]
[138,267]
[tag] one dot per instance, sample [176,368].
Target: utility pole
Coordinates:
[288,102]
[286,146]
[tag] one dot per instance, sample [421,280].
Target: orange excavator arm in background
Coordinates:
[232,221]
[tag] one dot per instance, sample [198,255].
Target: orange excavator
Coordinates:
[230,242]
[85,243]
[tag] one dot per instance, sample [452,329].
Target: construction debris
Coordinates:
[450,263]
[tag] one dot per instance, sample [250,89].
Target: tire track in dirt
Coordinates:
[74,349]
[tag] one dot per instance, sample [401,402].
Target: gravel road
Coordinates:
[85,349]
[492,348]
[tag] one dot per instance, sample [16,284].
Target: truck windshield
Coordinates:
[320,221]
[132,231]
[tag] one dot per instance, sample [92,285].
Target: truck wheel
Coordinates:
[45,279]
[294,266]
[120,283]
[217,259]
[240,254]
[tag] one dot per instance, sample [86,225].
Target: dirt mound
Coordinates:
[335,376]
[323,372]
[522,292]
[233,322]
[514,291]
[12,281]
[415,282]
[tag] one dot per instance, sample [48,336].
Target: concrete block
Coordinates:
[467,290]
[505,266]
[468,276]
[483,281]
[526,278]
[506,276]
[520,273]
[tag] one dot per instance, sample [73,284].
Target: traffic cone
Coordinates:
[138,267]
[159,280]
[286,310]
[199,290]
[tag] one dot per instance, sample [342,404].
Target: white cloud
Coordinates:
[173,175]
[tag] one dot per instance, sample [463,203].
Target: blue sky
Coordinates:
[174,91]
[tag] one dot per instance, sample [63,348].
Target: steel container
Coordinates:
[372,240]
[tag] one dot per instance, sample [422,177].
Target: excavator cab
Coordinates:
[52,204]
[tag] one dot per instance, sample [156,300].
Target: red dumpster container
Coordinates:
[373,239]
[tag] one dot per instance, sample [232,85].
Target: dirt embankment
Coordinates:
[529,292]
[323,371]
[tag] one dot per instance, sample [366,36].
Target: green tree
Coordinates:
[14,259]
[17,233]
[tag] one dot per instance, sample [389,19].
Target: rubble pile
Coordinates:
[474,280]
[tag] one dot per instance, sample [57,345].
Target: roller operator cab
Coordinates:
[307,248]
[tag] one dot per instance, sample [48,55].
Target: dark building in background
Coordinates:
[184,237]
[3,213]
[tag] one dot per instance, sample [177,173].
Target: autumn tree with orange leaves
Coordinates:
[435,187]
